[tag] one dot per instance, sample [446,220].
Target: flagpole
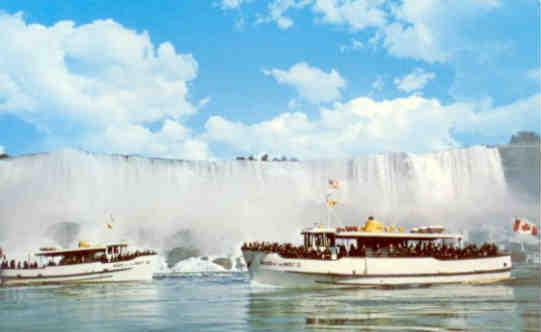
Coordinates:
[328,216]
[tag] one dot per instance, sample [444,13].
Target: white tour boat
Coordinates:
[85,264]
[375,256]
[371,266]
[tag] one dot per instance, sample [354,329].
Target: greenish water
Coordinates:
[230,303]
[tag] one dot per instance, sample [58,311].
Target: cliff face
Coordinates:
[521,160]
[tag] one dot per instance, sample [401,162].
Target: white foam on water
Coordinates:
[197,265]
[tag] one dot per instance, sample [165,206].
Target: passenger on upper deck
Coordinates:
[421,249]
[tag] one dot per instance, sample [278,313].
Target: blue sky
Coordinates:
[309,78]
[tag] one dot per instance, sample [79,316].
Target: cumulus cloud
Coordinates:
[354,14]
[232,4]
[354,45]
[414,81]
[498,123]
[430,30]
[172,140]
[277,10]
[311,83]
[91,80]
[363,125]
[2,150]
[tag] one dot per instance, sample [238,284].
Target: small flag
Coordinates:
[523,226]
[334,184]
[110,225]
[331,203]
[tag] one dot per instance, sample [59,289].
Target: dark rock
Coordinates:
[178,254]
[223,262]
[521,160]
[525,137]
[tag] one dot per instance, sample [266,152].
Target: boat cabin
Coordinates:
[85,253]
[321,238]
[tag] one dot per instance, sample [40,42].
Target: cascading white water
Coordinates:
[223,203]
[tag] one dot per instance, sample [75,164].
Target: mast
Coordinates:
[333,187]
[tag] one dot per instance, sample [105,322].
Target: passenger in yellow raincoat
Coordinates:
[372,225]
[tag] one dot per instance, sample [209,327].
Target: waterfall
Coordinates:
[221,203]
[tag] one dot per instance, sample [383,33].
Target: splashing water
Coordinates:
[222,203]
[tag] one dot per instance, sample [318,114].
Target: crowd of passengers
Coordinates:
[421,249]
[72,259]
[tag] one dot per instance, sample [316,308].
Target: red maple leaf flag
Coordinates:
[516,225]
[523,226]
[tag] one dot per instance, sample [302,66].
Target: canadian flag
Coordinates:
[523,226]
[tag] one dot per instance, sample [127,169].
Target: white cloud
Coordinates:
[354,45]
[293,103]
[232,4]
[363,125]
[430,30]
[75,82]
[378,84]
[172,140]
[414,81]
[499,122]
[311,83]
[2,150]
[277,10]
[354,14]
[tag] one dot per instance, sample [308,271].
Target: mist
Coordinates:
[222,203]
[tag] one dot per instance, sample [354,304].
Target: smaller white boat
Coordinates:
[113,262]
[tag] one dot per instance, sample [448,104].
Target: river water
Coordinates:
[229,302]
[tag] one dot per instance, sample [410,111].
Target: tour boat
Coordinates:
[375,267]
[112,262]
[374,255]
[378,264]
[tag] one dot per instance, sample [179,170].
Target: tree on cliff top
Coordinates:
[525,137]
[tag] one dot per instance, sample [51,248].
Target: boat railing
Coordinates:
[469,251]
[73,260]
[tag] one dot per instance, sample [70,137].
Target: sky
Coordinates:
[309,79]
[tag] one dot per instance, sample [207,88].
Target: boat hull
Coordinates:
[272,269]
[136,269]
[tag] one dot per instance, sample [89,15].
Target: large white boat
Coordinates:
[375,256]
[86,264]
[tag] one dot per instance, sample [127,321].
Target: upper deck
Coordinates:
[81,251]
[341,233]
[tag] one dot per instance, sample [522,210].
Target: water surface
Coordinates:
[228,302]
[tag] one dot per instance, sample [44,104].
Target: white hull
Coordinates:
[272,269]
[137,269]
